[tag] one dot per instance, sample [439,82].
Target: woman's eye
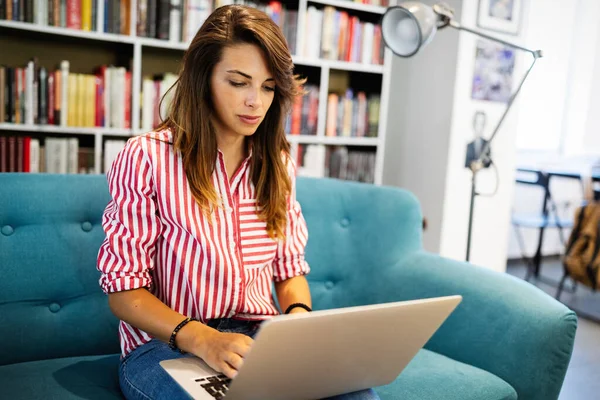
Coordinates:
[269,89]
[236,84]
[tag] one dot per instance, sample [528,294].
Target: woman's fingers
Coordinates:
[227,370]
[234,360]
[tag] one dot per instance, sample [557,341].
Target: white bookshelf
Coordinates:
[140,44]
[350,5]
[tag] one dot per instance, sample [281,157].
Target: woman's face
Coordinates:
[242,89]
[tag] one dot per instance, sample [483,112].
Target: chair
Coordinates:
[547,218]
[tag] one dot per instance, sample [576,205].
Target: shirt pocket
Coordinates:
[258,249]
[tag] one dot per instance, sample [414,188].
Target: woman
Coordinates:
[204,216]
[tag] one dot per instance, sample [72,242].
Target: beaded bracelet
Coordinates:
[177,329]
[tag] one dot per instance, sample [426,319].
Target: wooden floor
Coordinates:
[583,376]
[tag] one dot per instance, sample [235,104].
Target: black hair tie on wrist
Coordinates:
[297,305]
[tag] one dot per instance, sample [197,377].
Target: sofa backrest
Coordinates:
[356,232]
[50,231]
[50,302]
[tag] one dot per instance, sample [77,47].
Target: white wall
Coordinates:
[419,121]
[559,109]
[492,214]
[579,130]
[592,132]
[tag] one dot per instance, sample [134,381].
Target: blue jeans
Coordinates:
[141,377]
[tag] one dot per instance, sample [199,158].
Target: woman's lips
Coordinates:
[249,119]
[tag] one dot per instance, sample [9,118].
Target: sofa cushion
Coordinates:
[92,377]
[50,302]
[433,376]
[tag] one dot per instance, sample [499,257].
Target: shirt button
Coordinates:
[232,245]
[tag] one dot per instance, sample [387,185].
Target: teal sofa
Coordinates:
[58,338]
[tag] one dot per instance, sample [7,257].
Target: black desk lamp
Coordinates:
[410,26]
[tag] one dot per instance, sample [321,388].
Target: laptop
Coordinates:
[321,354]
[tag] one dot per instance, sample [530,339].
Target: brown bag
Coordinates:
[582,258]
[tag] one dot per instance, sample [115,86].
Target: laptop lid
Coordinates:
[330,352]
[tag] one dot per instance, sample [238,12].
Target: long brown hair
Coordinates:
[191,108]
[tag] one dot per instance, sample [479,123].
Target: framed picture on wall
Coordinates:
[500,15]
[493,72]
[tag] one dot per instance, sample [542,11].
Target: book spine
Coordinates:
[128,100]
[12,154]
[51,13]
[63,13]
[3,94]
[64,93]
[163,18]
[141,17]
[175,21]
[95,15]
[100,15]
[9,10]
[26,154]
[3,154]
[43,97]
[29,93]
[29,11]
[51,98]
[74,14]
[57,96]
[86,15]
[151,19]
[34,155]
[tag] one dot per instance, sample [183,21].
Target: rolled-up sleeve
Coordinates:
[289,260]
[130,222]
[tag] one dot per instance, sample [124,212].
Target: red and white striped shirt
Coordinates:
[216,266]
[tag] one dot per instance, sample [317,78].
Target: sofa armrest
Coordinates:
[503,325]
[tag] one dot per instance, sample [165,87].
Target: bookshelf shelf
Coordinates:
[350,5]
[340,65]
[73,33]
[134,54]
[333,140]
[161,44]
[63,130]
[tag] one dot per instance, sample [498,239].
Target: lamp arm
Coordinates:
[535,53]
[453,23]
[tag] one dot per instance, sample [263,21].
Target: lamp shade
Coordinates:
[408,27]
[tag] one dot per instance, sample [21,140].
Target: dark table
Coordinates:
[566,170]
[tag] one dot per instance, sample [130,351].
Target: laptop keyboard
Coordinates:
[216,385]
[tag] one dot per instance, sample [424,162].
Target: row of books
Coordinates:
[108,16]
[54,155]
[35,95]
[305,112]
[174,20]
[352,115]
[338,162]
[179,20]
[352,165]
[153,90]
[337,35]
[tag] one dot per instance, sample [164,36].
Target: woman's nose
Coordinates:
[253,98]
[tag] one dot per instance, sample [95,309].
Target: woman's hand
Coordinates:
[224,352]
